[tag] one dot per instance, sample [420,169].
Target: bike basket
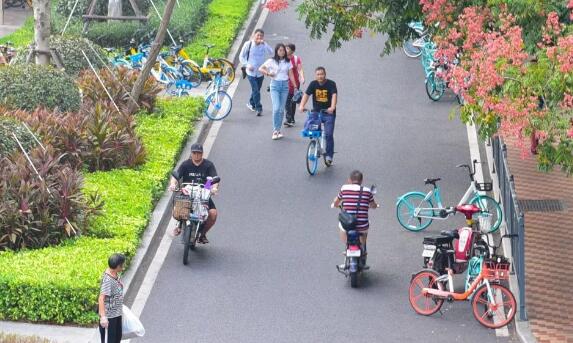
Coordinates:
[181,207]
[484,220]
[200,210]
[496,269]
[484,186]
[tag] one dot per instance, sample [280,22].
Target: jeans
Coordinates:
[290,108]
[328,127]
[279,92]
[255,99]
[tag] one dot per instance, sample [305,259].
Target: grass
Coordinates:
[23,36]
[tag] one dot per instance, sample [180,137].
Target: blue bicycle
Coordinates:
[218,103]
[313,130]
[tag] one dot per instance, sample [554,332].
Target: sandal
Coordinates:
[176,231]
[203,239]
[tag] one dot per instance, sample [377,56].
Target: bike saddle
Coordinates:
[431,181]
[450,233]
[468,210]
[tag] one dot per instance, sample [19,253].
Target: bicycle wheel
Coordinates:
[218,105]
[312,157]
[488,205]
[405,210]
[192,73]
[434,87]
[492,315]
[425,304]
[410,49]
[227,70]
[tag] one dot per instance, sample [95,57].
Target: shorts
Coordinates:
[361,231]
[212,204]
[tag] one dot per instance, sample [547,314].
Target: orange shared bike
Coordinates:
[493,304]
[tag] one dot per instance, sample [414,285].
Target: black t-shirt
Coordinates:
[321,94]
[189,172]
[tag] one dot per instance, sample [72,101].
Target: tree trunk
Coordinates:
[114,8]
[42,30]
[154,52]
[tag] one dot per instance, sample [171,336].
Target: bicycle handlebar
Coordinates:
[498,245]
[470,172]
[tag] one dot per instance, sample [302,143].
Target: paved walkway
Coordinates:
[548,243]
[13,19]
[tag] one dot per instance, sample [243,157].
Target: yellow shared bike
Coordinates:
[211,66]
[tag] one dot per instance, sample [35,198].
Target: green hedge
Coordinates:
[224,19]
[28,86]
[60,284]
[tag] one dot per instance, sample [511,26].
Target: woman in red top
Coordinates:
[299,79]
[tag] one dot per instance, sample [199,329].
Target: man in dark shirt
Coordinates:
[197,169]
[324,97]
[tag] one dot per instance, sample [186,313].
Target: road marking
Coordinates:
[474,155]
[163,249]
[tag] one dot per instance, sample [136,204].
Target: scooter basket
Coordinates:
[496,269]
[484,186]
[181,207]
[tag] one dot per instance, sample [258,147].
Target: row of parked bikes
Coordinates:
[423,46]
[460,264]
[179,73]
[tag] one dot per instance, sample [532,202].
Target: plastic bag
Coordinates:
[131,325]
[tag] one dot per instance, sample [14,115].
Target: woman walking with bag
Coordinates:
[110,301]
[293,88]
[279,69]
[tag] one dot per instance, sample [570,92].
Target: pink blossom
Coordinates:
[276,5]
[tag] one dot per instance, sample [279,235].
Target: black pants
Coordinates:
[114,331]
[290,108]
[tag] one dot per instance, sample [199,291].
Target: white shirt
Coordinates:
[280,69]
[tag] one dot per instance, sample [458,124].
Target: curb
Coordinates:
[159,218]
[522,328]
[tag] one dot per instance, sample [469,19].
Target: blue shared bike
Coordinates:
[317,144]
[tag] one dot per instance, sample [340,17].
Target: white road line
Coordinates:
[474,155]
[155,266]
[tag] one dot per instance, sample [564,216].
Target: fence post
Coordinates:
[521,268]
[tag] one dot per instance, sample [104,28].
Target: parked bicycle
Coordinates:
[191,209]
[317,144]
[218,103]
[416,211]
[413,46]
[7,54]
[493,304]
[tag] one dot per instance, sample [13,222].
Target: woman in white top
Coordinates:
[279,69]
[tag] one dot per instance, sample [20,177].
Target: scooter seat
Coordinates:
[450,233]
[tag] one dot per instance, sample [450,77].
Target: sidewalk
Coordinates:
[548,243]
[13,19]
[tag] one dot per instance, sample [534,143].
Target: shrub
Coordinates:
[37,211]
[29,86]
[7,143]
[70,50]
[97,137]
[119,85]
[224,19]
[60,284]
[184,23]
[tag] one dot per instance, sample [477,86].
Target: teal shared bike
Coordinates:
[416,210]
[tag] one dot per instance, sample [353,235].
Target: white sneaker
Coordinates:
[250,107]
[275,135]
[279,135]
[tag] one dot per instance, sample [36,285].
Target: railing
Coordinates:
[513,217]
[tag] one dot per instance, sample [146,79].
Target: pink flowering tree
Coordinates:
[517,89]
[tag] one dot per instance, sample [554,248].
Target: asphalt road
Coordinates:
[269,273]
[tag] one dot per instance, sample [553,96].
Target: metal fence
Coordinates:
[513,217]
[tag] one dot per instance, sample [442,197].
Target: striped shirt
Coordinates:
[349,195]
[113,291]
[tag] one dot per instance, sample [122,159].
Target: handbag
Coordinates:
[348,220]
[297,96]
[244,68]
